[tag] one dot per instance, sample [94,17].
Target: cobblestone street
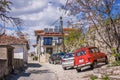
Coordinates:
[46,71]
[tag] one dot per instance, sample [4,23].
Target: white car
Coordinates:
[68,61]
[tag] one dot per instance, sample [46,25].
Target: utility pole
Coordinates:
[62,31]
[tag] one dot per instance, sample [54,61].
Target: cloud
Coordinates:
[22,7]
[36,14]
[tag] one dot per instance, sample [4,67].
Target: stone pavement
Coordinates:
[34,72]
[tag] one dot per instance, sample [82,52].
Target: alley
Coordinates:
[46,71]
[35,71]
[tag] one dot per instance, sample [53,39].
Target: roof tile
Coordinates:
[8,40]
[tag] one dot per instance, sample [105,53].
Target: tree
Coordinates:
[4,11]
[74,40]
[101,14]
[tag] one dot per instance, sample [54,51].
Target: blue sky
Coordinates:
[38,14]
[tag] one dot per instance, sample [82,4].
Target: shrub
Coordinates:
[105,77]
[35,58]
[93,77]
[115,63]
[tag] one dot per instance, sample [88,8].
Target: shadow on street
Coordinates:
[17,76]
[39,71]
[23,73]
[89,69]
[34,65]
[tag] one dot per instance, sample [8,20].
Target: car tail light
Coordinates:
[63,60]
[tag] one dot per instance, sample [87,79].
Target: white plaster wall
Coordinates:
[25,55]
[41,41]
[35,49]
[20,52]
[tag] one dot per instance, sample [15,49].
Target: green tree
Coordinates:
[74,40]
[100,14]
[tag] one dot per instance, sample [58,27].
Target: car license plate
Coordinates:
[81,60]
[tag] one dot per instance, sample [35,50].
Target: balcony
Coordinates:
[53,43]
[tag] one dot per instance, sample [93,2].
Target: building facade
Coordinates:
[48,40]
[20,45]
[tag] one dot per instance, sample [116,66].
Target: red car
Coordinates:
[88,56]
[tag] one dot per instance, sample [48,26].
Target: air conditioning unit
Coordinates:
[56,29]
[51,30]
[46,30]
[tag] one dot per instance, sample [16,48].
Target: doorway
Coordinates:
[49,50]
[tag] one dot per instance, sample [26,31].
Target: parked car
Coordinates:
[56,58]
[88,56]
[52,58]
[68,61]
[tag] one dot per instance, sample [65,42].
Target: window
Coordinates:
[48,40]
[94,50]
[68,55]
[61,54]
[81,53]
[60,40]
[97,50]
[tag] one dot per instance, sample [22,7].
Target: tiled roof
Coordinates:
[70,29]
[52,34]
[8,40]
[42,33]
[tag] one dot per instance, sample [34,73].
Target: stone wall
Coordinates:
[6,60]
[18,64]
[3,68]
[3,53]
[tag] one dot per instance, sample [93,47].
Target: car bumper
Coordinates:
[83,65]
[68,65]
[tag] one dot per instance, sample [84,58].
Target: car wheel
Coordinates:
[72,67]
[64,68]
[78,69]
[106,60]
[94,65]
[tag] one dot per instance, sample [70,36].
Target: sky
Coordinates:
[36,14]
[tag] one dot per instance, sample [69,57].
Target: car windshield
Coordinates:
[61,54]
[54,54]
[81,53]
[69,55]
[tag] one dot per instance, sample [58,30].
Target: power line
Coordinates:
[54,22]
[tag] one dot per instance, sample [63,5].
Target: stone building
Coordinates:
[21,48]
[6,59]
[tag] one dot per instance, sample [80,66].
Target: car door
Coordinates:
[99,55]
[93,53]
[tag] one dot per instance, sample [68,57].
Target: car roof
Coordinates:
[88,47]
[70,53]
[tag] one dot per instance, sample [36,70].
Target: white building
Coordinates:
[48,40]
[35,49]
